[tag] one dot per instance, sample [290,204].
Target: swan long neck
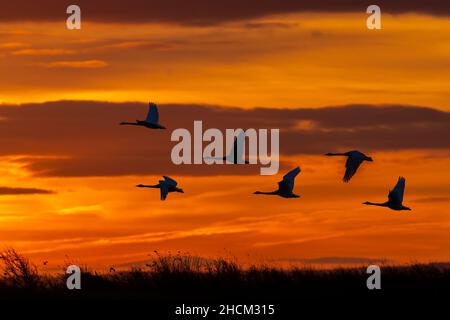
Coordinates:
[375,204]
[336,154]
[263,192]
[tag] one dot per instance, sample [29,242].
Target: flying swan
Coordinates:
[395,197]
[354,160]
[285,186]
[167,185]
[150,122]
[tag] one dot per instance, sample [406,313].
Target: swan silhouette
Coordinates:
[150,122]
[236,154]
[285,186]
[395,197]
[167,185]
[354,160]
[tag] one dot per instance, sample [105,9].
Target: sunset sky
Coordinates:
[311,68]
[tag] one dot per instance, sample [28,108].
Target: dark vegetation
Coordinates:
[170,280]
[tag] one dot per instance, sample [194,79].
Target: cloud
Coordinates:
[338,260]
[202,11]
[7,191]
[87,64]
[270,25]
[83,138]
[12,45]
[80,210]
[127,44]
[432,200]
[43,52]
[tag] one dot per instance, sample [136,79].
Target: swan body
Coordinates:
[236,154]
[285,186]
[152,120]
[167,185]
[395,197]
[354,160]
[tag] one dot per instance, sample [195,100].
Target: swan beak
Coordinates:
[370,159]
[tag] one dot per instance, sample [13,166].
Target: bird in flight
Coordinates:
[354,160]
[285,186]
[236,154]
[395,197]
[150,122]
[167,185]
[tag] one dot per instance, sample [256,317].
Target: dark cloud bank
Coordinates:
[339,260]
[83,138]
[201,11]
[7,191]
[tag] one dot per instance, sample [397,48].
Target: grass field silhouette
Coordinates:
[185,277]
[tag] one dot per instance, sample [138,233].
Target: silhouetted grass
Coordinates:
[189,278]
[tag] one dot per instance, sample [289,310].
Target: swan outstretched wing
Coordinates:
[288,180]
[238,145]
[396,195]
[292,174]
[170,181]
[164,188]
[351,166]
[152,115]
[237,149]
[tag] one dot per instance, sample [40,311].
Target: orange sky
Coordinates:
[284,61]
[297,60]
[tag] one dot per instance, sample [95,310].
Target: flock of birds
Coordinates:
[286,186]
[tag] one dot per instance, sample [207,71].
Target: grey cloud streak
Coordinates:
[201,12]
